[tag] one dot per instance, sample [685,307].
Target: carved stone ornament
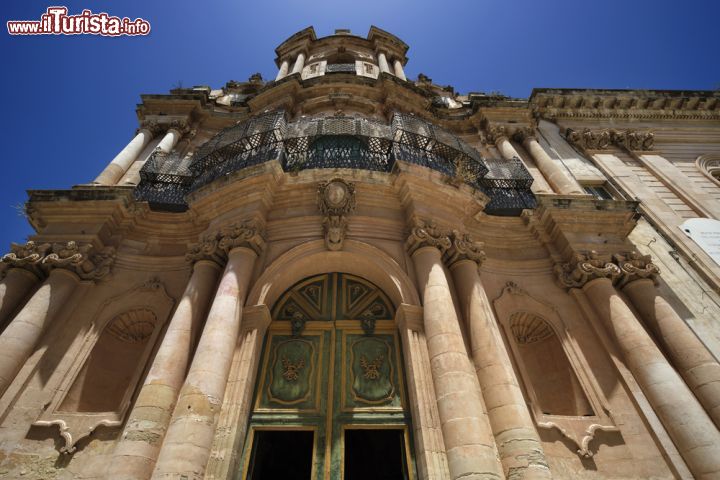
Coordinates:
[207,249]
[585,267]
[153,127]
[602,139]
[336,199]
[246,234]
[463,247]
[495,133]
[28,256]
[80,260]
[524,133]
[635,266]
[427,234]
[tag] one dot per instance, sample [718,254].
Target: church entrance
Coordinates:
[330,400]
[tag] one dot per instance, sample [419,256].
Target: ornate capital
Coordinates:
[463,247]
[28,256]
[246,234]
[153,127]
[602,139]
[181,126]
[524,133]
[427,234]
[585,267]
[207,249]
[80,260]
[336,199]
[495,133]
[634,266]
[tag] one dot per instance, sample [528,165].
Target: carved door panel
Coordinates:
[331,363]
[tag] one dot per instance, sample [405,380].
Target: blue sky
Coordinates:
[69,102]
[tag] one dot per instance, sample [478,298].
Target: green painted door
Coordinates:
[331,366]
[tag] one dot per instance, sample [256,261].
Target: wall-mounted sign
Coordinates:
[706,233]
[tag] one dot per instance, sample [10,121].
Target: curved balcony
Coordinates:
[335,142]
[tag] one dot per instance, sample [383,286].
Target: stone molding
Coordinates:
[463,247]
[630,139]
[427,234]
[620,268]
[335,200]
[77,258]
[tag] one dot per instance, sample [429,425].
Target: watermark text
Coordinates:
[56,21]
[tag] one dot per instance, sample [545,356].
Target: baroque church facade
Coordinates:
[346,274]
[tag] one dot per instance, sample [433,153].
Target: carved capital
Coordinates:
[427,234]
[585,267]
[181,126]
[335,199]
[463,247]
[28,256]
[151,126]
[524,133]
[635,266]
[602,139]
[246,234]
[207,249]
[634,140]
[495,133]
[80,259]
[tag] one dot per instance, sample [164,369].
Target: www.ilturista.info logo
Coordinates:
[56,21]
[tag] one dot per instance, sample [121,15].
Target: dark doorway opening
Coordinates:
[375,454]
[283,455]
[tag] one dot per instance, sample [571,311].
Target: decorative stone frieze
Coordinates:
[427,234]
[40,258]
[28,256]
[602,139]
[80,260]
[336,199]
[585,267]
[463,247]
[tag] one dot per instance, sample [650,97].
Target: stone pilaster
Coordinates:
[518,445]
[470,453]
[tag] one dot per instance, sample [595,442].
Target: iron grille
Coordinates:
[334,142]
[340,67]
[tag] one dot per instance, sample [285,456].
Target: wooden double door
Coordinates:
[330,399]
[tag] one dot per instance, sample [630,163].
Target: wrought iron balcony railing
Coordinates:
[335,142]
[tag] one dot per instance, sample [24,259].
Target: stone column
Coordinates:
[687,353]
[166,145]
[470,453]
[383,63]
[399,72]
[123,160]
[186,449]
[517,441]
[690,428]
[498,136]
[69,263]
[139,445]
[282,73]
[557,176]
[299,63]
[22,275]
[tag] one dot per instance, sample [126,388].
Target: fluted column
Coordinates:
[23,274]
[464,425]
[687,353]
[517,441]
[690,428]
[282,73]
[399,72]
[557,176]
[383,63]
[123,160]
[498,136]
[69,263]
[189,437]
[299,63]
[139,445]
